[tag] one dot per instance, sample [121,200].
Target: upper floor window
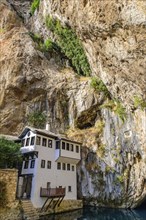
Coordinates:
[49,164]
[23,142]
[57,144]
[58,166]
[72,147]
[63,145]
[44,142]
[26,164]
[77,148]
[27,141]
[38,140]
[32,164]
[42,163]
[32,141]
[67,146]
[49,143]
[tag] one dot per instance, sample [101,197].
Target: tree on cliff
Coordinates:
[10,156]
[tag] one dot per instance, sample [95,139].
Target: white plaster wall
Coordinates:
[56,177]
[70,154]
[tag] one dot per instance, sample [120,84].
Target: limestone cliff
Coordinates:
[112,172]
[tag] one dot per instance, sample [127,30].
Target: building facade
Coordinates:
[49,166]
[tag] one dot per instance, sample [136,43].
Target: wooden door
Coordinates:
[27,184]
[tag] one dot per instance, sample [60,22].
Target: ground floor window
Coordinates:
[68,166]
[48,185]
[64,166]
[73,168]
[69,188]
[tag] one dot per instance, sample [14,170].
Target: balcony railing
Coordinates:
[52,192]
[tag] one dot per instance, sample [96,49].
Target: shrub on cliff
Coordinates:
[35,4]
[99,86]
[70,45]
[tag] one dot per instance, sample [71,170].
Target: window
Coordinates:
[32,141]
[48,185]
[69,188]
[23,142]
[42,163]
[67,146]
[72,147]
[58,166]
[64,166]
[38,140]
[27,141]
[63,145]
[44,142]
[68,166]
[49,143]
[73,168]
[77,148]
[49,164]
[57,144]
[28,134]
[26,164]
[32,163]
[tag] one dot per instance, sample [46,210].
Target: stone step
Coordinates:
[29,211]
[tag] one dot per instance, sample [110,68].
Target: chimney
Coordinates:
[47,127]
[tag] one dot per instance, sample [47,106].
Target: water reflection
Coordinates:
[74,215]
[91,213]
[112,214]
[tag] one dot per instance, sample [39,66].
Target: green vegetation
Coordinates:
[36,37]
[37,119]
[139,102]
[35,4]
[117,107]
[2,194]
[109,169]
[99,86]
[101,149]
[10,156]
[120,179]
[70,45]
[99,126]
[2,30]
[44,46]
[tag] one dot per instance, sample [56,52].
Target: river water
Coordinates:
[91,213]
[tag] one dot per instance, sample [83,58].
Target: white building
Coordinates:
[49,167]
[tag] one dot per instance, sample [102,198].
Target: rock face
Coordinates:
[112,172]
[113,34]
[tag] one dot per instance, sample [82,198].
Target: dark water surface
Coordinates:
[90,213]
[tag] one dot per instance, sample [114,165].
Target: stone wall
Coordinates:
[9,176]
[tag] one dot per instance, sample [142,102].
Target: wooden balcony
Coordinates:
[52,192]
